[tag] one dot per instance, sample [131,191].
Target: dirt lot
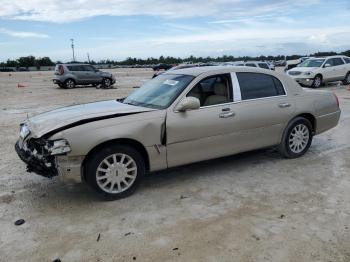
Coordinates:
[255,206]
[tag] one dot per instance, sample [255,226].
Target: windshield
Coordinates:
[159,92]
[312,63]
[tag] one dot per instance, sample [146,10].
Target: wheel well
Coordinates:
[311,118]
[319,75]
[124,141]
[69,79]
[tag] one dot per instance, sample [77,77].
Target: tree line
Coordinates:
[31,61]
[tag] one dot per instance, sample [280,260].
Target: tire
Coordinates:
[346,80]
[317,81]
[106,82]
[297,138]
[115,181]
[69,83]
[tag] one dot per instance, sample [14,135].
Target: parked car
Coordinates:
[180,117]
[294,63]
[271,65]
[70,75]
[161,67]
[260,64]
[318,71]
[181,66]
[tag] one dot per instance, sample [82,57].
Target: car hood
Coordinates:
[303,69]
[44,123]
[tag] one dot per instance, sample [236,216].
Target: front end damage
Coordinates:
[36,154]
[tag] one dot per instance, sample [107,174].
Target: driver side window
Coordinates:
[213,90]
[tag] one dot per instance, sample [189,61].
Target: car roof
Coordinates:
[327,57]
[196,71]
[73,64]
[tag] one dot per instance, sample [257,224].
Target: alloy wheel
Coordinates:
[299,138]
[116,173]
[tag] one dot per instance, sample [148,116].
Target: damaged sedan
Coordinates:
[177,118]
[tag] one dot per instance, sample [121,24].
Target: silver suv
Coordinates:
[70,75]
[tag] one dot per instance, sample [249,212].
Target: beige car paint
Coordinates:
[193,135]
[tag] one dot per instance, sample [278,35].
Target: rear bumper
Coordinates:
[57,81]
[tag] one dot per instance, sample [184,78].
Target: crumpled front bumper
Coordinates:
[35,164]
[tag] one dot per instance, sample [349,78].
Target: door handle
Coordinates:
[226,115]
[284,105]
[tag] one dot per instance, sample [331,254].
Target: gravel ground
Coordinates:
[254,206]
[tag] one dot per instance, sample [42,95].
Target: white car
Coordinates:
[259,64]
[315,72]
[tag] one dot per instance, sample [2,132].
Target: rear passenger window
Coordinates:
[347,60]
[257,85]
[250,64]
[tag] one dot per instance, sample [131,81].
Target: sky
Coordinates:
[116,29]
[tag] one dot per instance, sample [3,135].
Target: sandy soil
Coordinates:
[255,206]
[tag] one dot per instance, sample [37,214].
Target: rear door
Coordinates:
[78,72]
[262,112]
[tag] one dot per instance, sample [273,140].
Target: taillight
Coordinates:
[60,69]
[336,98]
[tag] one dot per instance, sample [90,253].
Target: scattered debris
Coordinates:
[135,87]
[19,222]
[183,197]
[98,237]
[175,248]
[56,260]
[133,258]
[256,237]
[282,216]
[129,233]
[19,85]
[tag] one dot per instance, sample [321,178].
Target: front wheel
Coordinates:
[297,138]
[106,82]
[317,81]
[115,171]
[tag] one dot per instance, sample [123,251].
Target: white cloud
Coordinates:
[21,34]
[61,11]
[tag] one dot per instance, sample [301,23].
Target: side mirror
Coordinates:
[327,65]
[188,103]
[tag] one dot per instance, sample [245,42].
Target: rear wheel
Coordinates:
[317,81]
[115,171]
[346,81]
[297,138]
[69,83]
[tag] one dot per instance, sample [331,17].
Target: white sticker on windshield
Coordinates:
[170,82]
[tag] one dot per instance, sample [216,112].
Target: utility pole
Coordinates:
[88,56]
[72,40]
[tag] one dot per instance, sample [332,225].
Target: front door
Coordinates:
[203,133]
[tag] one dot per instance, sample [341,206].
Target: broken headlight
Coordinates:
[59,147]
[24,131]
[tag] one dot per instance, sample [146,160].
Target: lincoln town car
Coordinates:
[179,117]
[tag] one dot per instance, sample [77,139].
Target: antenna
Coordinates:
[72,40]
